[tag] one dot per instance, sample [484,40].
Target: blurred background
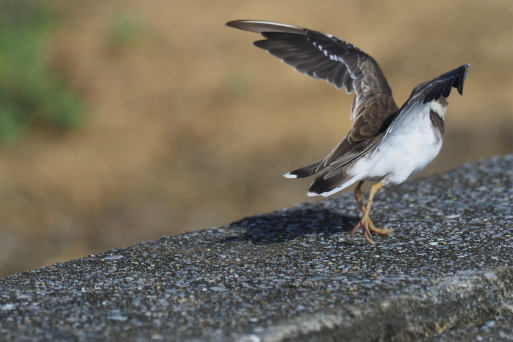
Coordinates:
[121,122]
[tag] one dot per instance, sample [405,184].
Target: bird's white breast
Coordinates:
[409,147]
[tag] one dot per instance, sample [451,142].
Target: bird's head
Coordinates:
[439,106]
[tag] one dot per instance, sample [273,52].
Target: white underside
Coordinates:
[411,145]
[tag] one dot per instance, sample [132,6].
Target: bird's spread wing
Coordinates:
[440,86]
[427,92]
[326,57]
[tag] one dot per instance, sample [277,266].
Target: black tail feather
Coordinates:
[325,186]
[304,171]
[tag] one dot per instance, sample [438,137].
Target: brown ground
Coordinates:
[189,126]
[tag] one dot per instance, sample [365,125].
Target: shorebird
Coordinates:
[386,144]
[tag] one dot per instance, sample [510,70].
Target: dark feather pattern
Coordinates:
[438,123]
[305,171]
[321,185]
[440,86]
[326,57]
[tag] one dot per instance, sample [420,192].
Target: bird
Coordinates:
[386,144]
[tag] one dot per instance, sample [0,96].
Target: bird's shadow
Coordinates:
[285,225]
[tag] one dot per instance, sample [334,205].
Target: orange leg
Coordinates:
[365,221]
[358,195]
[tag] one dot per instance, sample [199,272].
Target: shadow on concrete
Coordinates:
[280,226]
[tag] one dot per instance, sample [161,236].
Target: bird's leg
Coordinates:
[365,221]
[358,195]
[372,228]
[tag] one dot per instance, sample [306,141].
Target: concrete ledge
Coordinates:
[465,299]
[294,274]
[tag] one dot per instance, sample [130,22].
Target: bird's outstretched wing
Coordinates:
[427,92]
[326,57]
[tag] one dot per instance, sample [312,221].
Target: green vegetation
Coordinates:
[30,92]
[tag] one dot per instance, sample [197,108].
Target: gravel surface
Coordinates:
[446,273]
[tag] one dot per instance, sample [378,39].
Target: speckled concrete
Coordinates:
[446,273]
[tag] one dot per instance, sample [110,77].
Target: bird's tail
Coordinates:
[328,186]
[303,172]
[326,183]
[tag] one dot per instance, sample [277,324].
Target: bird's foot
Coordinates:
[364,224]
[368,228]
[378,230]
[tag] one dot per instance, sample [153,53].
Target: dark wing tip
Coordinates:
[461,78]
[259,26]
[441,85]
[240,24]
[232,23]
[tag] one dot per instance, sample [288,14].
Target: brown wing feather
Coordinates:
[372,106]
